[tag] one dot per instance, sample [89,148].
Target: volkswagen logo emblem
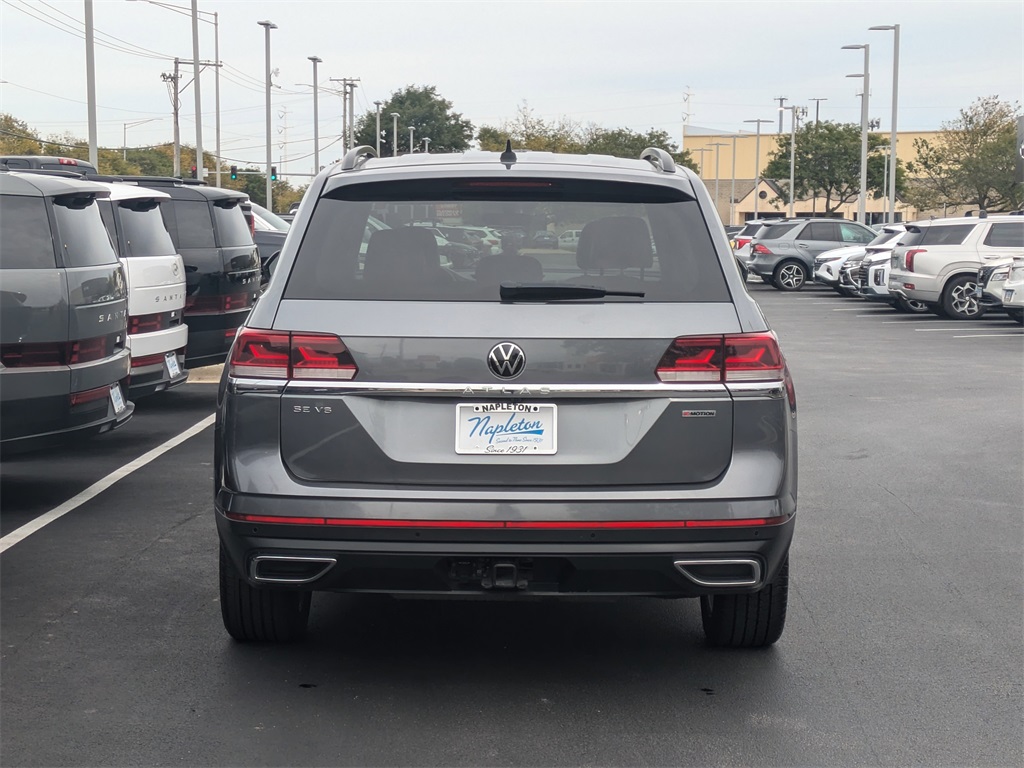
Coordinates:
[506,360]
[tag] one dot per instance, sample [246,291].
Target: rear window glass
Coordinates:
[749,229]
[1006,235]
[939,234]
[775,231]
[194,223]
[144,232]
[884,237]
[232,228]
[83,236]
[25,241]
[635,238]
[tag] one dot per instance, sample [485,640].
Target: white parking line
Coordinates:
[990,336]
[98,487]
[849,309]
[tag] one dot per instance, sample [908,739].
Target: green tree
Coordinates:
[972,161]
[423,109]
[16,138]
[527,131]
[827,163]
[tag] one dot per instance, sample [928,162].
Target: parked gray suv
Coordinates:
[782,252]
[614,421]
[63,314]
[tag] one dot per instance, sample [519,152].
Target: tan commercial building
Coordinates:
[769,195]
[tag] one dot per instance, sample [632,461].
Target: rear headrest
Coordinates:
[405,254]
[615,242]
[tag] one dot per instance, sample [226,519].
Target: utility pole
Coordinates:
[782,105]
[267,26]
[352,85]
[348,109]
[283,144]
[817,107]
[173,81]
[687,114]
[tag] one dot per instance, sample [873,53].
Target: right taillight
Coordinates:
[741,241]
[762,249]
[732,358]
[908,258]
[279,355]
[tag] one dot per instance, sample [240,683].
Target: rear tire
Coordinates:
[747,621]
[260,615]
[958,302]
[789,276]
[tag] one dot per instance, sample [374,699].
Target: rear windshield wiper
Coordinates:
[558,292]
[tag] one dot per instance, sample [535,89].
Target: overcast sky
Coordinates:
[618,64]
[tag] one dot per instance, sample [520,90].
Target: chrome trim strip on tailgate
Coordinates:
[771,389]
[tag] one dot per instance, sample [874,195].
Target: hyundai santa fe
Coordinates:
[614,421]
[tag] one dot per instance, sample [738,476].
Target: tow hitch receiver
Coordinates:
[490,574]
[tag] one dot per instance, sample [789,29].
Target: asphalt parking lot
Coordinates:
[903,645]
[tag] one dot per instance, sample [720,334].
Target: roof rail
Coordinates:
[357,156]
[660,159]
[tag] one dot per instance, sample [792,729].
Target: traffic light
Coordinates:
[194,169]
[273,173]
[234,172]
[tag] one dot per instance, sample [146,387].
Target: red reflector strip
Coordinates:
[517,524]
[89,395]
[139,362]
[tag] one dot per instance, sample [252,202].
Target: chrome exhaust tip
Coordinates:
[287,569]
[722,572]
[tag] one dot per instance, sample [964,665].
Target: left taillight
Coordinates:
[260,354]
[733,358]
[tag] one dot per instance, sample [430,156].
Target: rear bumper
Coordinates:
[39,441]
[448,559]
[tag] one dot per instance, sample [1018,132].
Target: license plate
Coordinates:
[173,369]
[117,398]
[1008,295]
[506,428]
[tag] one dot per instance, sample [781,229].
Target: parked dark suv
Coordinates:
[222,265]
[63,314]
[615,421]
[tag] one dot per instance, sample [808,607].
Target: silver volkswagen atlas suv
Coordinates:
[616,420]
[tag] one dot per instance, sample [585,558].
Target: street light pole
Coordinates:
[732,191]
[817,107]
[426,142]
[200,165]
[216,87]
[394,134]
[863,197]
[316,117]
[757,160]
[378,104]
[793,111]
[132,124]
[90,84]
[702,150]
[267,26]
[412,130]
[716,145]
[895,102]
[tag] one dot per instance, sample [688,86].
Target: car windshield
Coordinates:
[635,239]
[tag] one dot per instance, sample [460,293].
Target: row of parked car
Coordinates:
[959,268]
[112,288]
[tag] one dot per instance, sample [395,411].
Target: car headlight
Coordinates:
[1000,274]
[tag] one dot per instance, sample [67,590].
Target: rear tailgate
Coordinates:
[612,422]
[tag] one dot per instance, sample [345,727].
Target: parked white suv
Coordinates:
[937,261]
[1013,291]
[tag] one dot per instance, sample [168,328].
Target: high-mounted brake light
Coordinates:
[66,161]
[736,357]
[510,184]
[908,258]
[281,355]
